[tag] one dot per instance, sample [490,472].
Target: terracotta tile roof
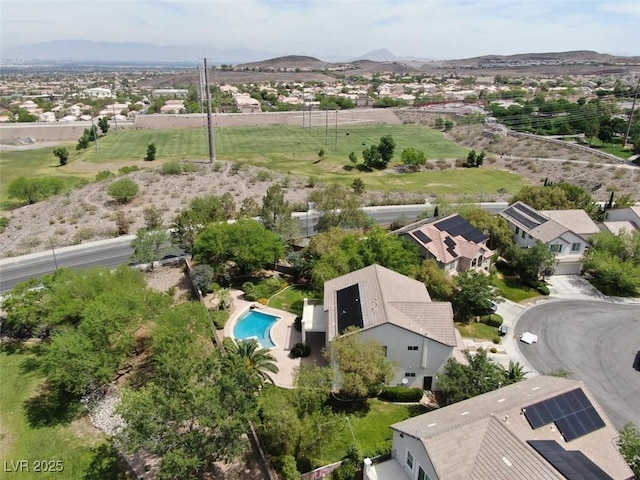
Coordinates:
[448,238]
[389,297]
[486,437]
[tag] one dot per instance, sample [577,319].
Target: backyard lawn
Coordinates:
[291,299]
[37,426]
[371,429]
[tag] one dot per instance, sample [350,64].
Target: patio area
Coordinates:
[283,334]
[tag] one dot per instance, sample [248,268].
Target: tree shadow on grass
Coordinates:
[106,464]
[417,409]
[14,346]
[52,407]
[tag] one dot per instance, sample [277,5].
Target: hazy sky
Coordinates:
[336,28]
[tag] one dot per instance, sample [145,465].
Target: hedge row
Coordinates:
[401,394]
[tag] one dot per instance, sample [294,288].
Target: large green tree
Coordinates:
[533,263]
[32,190]
[247,243]
[613,263]
[362,364]
[480,374]
[440,285]
[196,409]
[500,235]
[413,159]
[338,208]
[276,213]
[474,295]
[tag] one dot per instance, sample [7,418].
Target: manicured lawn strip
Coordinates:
[53,441]
[477,330]
[285,149]
[291,299]
[512,289]
[616,150]
[370,430]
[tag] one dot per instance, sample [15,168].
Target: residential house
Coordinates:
[418,334]
[170,92]
[452,241]
[172,106]
[618,219]
[529,225]
[245,103]
[540,428]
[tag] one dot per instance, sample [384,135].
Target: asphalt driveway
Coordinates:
[595,342]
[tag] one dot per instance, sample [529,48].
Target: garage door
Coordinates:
[568,268]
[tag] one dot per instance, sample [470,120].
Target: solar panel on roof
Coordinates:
[457,225]
[571,411]
[349,308]
[573,465]
[522,219]
[420,235]
[527,210]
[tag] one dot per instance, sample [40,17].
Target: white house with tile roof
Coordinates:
[540,428]
[396,310]
[556,230]
[452,241]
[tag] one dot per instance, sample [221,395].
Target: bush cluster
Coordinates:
[401,394]
[219,318]
[263,289]
[493,320]
[300,350]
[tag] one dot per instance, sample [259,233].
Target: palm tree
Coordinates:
[514,373]
[256,360]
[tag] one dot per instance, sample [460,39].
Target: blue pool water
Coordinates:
[256,324]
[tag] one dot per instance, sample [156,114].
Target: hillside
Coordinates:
[289,62]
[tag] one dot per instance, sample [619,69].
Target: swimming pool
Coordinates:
[256,324]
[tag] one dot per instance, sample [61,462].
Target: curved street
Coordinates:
[593,341]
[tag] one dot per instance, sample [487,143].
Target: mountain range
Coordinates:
[71,51]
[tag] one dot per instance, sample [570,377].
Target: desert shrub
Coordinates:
[219,318]
[124,190]
[171,168]
[190,167]
[263,176]
[236,167]
[493,349]
[401,394]
[151,152]
[202,276]
[493,320]
[4,223]
[249,289]
[300,350]
[496,340]
[125,170]
[263,300]
[543,290]
[104,175]
[297,323]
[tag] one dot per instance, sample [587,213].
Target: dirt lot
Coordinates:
[87,214]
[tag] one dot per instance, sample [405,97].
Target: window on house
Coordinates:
[422,475]
[517,230]
[412,347]
[474,262]
[524,234]
[409,460]
[575,247]
[410,374]
[555,248]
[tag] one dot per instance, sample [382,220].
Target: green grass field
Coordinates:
[477,330]
[370,429]
[291,299]
[37,427]
[285,149]
[512,289]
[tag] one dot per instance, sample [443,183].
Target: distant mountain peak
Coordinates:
[381,55]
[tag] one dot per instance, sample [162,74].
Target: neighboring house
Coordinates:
[618,219]
[452,241]
[529,225]
[172,106]
[540,428]
[245,103]
[418,334]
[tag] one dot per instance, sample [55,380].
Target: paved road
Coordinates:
[596,342]
[117,251]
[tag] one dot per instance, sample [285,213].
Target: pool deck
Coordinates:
[283,334]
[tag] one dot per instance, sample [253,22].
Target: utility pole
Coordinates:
[326,123]
[336,145]
[55,260]
[633,106]
[212,140]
